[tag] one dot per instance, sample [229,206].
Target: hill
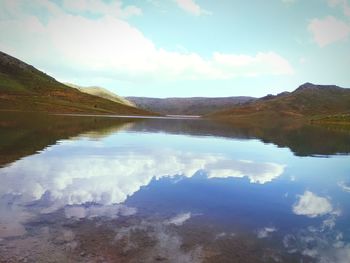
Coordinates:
[103,93]
[25,88]
[188,106]
[307,101]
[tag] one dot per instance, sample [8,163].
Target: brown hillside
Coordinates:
[307,101]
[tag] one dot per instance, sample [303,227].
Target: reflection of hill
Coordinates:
[25,134]
[301,138]
[104,132]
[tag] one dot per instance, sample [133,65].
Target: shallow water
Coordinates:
[94,189]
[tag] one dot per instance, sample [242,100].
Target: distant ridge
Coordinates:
[188,106]
[24,88]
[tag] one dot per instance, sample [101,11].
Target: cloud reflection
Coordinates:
[323,242]
[265,232]
[344,186]
[320,244]
[312,205]
[179,219]
[110,211]
[256,172]
[110,179]
[12,219]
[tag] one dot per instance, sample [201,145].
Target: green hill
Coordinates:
[103,93]
[24,88]
[307,102]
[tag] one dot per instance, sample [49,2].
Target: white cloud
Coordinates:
[302,60]
[263,63]
[191,7]
[312,205]
[98,7]
[289,1]
[110,48]
[344,4]
[328,30]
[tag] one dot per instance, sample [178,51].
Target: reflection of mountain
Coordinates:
[303,140]
[25,134]
[117,126]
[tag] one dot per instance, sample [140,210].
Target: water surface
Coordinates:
[97,189]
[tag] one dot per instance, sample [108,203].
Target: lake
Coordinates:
[111,189]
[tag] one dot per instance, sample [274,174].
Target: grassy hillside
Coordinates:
[187,106]
[103,93]
[24,88]
[306,102]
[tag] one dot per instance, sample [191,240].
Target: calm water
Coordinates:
[95,189]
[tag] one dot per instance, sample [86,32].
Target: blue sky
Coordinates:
[167,48]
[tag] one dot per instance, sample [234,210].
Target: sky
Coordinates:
[182,48]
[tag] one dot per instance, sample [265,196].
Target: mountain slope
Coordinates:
[306,101]
[187,106]
[103,93]
[24,88]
